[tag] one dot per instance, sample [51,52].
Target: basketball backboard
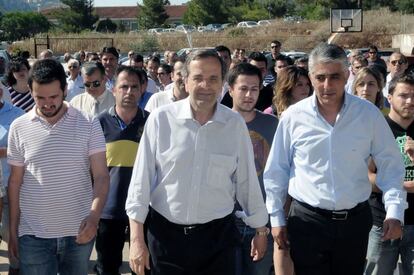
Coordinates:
[346,20]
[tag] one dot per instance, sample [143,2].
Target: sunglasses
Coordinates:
[400,61]
[372,52]
[95,84]
[72,67]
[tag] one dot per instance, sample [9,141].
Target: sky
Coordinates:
[107,3]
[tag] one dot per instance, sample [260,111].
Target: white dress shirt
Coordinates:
[326,166]
[192,173]
[160,99]
[75,87]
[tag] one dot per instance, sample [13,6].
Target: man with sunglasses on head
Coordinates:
[97,98]
[75,80]
[397,65]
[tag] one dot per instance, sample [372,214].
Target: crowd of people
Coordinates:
[215,163]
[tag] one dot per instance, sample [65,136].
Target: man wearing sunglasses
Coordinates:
[97,98]
[75,80]
[374,58]
[397,66]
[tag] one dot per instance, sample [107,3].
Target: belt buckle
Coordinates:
[339,215]
[187,229]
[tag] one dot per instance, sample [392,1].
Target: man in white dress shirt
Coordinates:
[320,157]
[195,158]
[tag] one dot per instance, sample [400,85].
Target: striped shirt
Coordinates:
[56,193]
[24,101]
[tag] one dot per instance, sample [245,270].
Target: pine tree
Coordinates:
[78,17]
[152,14]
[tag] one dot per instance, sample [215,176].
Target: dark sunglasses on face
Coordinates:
[73,67]
[95,84]
[372,52]
[400,61]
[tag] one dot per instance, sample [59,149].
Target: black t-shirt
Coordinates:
[375,200]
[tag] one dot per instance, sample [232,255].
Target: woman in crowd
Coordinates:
[368,85]
[292,85]
[17,80]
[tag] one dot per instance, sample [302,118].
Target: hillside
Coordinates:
[23,5]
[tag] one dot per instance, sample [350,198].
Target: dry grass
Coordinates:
[378,28]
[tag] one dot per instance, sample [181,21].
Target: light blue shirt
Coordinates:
[7,114]
[326,166]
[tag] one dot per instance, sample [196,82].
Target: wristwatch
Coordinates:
[263,232]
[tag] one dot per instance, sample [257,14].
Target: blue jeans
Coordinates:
[38,256]
[382,257]
[244,262]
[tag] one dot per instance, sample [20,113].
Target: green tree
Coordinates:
[106,25]
[77,17]
[406,6]
[152,14]
[19,25]
[201,12]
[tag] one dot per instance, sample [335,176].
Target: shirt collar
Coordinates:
[344,105]
[185,112]
[71,111]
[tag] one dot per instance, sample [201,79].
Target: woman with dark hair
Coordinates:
[17,80]
[368,84]
[292,85]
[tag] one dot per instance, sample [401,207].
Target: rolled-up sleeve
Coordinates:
[276,174]
[138,199]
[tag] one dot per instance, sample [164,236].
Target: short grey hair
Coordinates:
[73,61]
[327,53]
[202,54]
[89,68]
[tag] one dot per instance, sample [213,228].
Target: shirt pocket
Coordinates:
[220,170]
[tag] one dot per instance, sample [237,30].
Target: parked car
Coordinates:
[214,27]
[247,24]
[170,30]
[264,22]
[185,28]
[156,30]
[294,54]
[227,25]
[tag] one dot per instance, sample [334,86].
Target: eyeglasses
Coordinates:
[400,61]
[372,52]
[95,84]
[73,67]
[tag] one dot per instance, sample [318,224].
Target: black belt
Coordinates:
[188,229]
[339,215]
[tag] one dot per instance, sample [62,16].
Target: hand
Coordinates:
[259,246]
[280,237]
[409,148]
[391,230]
[13,248]
[138,257]
[87,230]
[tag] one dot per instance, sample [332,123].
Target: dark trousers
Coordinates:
[109,244]
[321,245]
[203,250]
